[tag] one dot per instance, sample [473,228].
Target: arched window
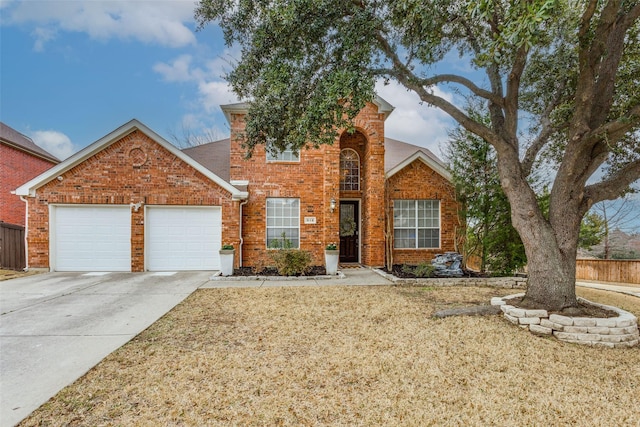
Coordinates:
[349,170]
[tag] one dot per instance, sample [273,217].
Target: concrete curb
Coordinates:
[218,278]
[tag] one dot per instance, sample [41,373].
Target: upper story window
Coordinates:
[416,224]
[283,223]
[349,170]
[288,155]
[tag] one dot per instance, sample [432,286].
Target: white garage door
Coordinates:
[183,238]
[91,238]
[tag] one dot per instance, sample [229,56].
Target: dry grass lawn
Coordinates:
[13,274]
[350,356]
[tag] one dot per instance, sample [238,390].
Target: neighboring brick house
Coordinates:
[20,160]
[132,201]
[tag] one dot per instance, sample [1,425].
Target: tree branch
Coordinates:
[454,78]
[591,48]
[633,14]
[513,88]
[586,19]
[614,131]
[612,187]
[407,78]
[546,131]
[607,69]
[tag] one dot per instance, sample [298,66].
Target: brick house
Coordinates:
[20,160]
[131,201]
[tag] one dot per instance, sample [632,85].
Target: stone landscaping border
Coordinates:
[498,282]
[218,277]
[612,332]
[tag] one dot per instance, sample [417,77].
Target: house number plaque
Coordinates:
[309,219]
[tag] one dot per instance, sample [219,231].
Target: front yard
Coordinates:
[350,356]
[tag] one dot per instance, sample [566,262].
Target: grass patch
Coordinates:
[350,356]
[14,274]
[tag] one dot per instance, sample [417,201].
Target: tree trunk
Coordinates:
[551,246]
[551,255]
[551,277]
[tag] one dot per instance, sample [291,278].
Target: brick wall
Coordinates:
[417,181]
[133,169]
[315,181]
[16,168]
[371,123]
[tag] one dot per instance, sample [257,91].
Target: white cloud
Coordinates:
[215,93]
[413,121]
[56,143]
[42,36]
[158,22]
[179,70]
[211,90]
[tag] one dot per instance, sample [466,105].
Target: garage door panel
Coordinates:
[90,238]
[183,238]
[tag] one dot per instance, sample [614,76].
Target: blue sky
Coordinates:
[73,71]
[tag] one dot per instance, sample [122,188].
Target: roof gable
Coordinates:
[29,188]
[399,154]
[12,137]
[242,107]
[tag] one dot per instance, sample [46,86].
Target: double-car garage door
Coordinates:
[98,238]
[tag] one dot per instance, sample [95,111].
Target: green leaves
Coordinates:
[309,66]
[592,230]
[305,68]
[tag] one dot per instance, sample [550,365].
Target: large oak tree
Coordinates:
[559,79]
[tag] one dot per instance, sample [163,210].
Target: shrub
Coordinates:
[421,270]
[291,262]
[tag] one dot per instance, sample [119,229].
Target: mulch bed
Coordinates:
[401,271]
[316,270]
[583,309]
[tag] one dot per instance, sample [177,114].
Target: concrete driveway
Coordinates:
[54,327]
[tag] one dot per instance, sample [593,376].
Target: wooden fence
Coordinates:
[607,270]
[12,246]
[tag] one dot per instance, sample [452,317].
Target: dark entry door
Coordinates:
[349,231]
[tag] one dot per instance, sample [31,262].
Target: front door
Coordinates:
[349,231]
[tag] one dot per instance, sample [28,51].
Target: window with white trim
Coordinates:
[416,224]
[283,223]
[349,170]
[274,155]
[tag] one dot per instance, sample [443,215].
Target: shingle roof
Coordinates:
[14,138]
[395,152]
[215,155]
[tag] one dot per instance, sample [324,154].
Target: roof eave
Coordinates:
[30,187]
[24,149]
[240,195]
[419,155]
[237,108]
[384,107]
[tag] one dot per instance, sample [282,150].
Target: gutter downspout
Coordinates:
[240,232]
[26,233]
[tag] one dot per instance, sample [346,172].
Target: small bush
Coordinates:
[421,270]
[291,262]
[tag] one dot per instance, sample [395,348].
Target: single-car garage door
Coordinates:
[91,238]
[182,238]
